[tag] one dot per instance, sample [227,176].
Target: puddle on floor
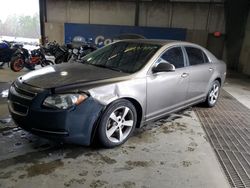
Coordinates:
[43,168]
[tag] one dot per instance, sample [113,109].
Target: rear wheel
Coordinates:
[59,60]
[117,123]
[16,64]
[46,63]
[213,94]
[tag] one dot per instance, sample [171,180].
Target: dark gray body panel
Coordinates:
[68,74]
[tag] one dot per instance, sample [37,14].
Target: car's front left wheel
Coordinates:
[117,123]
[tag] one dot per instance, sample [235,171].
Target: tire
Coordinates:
[30,66]
[46,63]
[114,128]
[59,60]
[213,94]
[16,64]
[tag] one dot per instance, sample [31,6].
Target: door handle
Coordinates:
[210,69]
[184,75]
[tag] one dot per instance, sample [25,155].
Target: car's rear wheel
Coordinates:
[117,123]
[213,94]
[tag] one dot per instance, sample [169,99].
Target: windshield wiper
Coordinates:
[115,69]
[84,61]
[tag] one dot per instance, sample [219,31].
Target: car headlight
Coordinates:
[64,101]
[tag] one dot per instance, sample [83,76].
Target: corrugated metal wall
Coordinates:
[198,17]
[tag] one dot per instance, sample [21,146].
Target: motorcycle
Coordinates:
[22,58]
[76,55]
[79,48]
[70,52]
[7,49]
[59,52]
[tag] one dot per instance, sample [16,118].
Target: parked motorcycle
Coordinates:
[79,48]
[70,52]
[7,49]
[59,52]
[22,58]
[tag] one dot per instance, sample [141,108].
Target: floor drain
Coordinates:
[227,126]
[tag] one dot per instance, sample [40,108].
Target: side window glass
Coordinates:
[195,56]
[174,56]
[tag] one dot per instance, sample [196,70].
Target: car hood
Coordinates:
[68,74]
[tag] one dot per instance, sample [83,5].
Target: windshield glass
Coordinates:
[123,56]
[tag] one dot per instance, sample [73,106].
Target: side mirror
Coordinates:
[164,67]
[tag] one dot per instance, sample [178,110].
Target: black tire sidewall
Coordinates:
[43,64]
[49,62]
[46,63]
[58,60]
[101,131]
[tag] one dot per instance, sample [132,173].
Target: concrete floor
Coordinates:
[172,152]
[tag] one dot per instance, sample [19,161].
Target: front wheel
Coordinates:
[16,64]
[117,123]
[213,94]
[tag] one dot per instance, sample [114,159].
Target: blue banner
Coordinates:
[105,34]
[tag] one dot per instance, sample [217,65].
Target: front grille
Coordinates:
[20,99]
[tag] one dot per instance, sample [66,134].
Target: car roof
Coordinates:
[160,42]
[171,43]
[149,41]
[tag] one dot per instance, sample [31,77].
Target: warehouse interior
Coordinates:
[191,147]
[202,19]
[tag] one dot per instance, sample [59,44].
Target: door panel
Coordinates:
[200,72]
[199,77]
[166,91]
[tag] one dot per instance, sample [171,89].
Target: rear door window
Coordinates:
[196,56]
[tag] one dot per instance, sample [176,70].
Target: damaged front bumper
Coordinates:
[74,125]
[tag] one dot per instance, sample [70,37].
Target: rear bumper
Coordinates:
[73,125]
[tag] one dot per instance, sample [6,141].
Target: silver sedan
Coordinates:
[115,89]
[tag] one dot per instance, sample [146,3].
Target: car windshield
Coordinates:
[123,56]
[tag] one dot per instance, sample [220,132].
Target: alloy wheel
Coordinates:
[119,124]
[214,93]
